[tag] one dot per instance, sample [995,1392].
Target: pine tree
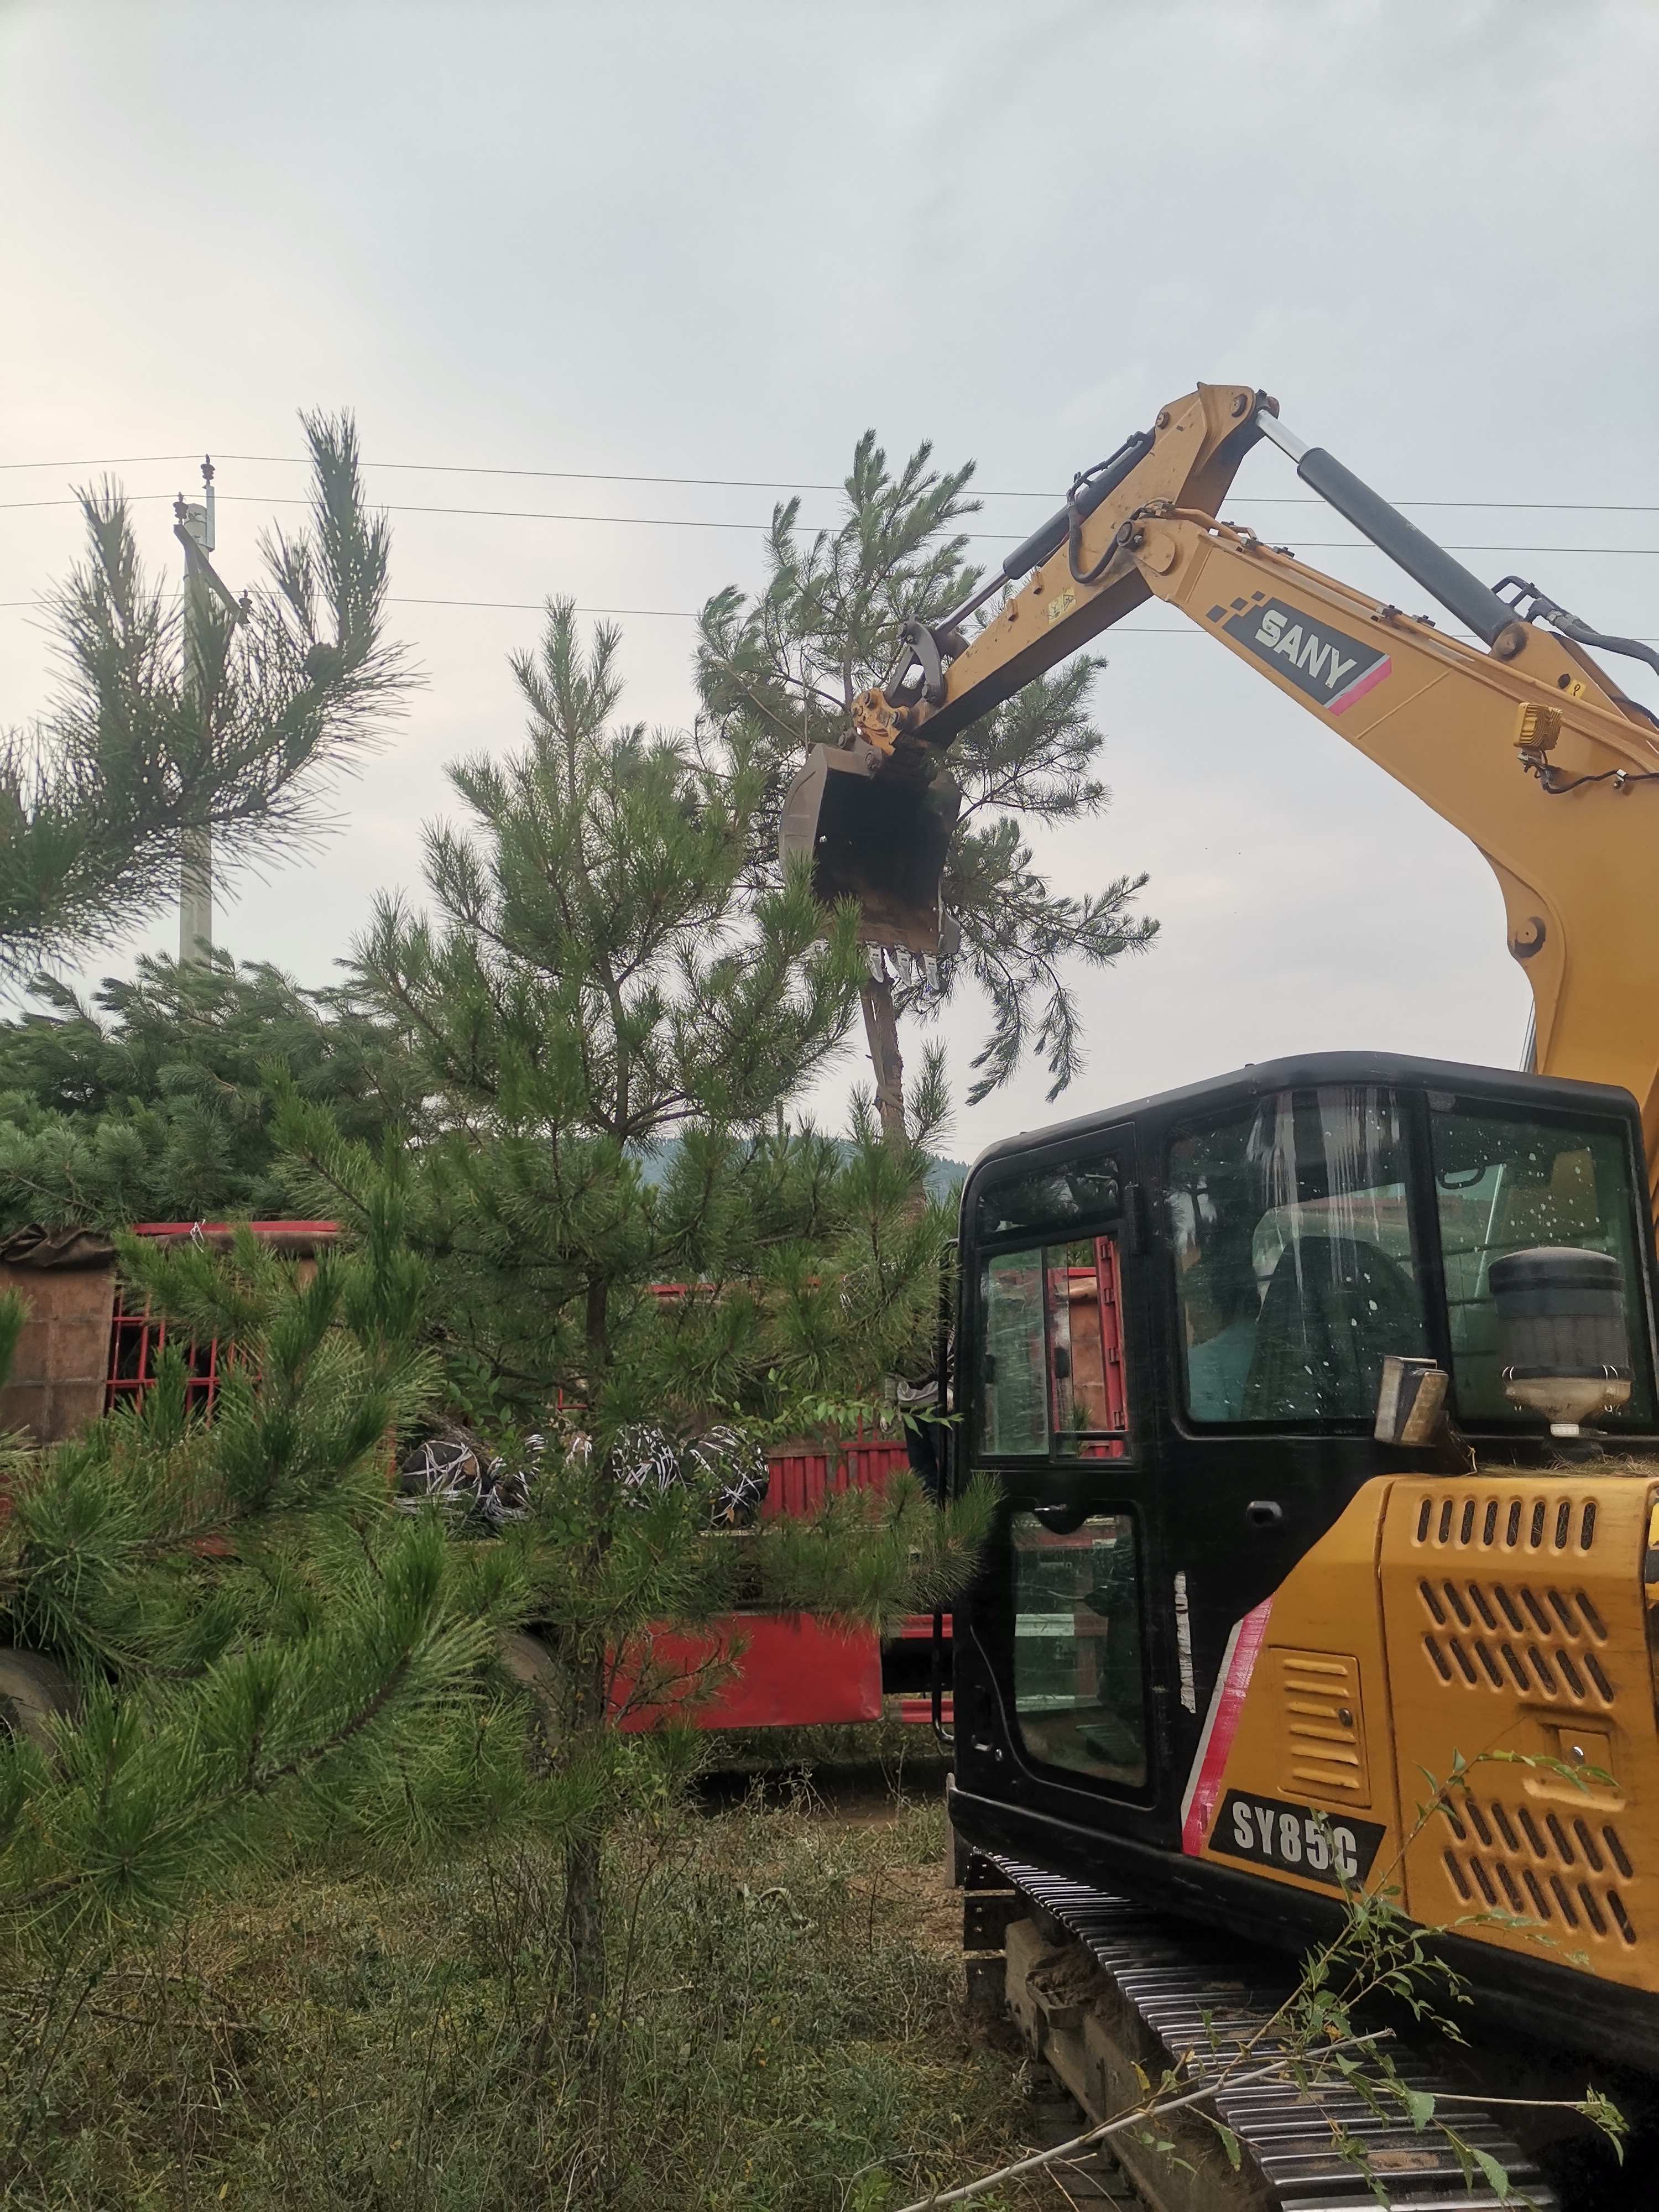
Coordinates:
[264,1658]
[602,1035]
[98,801]
[152,1102]
[595,981]
[779,672]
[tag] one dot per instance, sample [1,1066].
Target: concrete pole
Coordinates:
[196,877]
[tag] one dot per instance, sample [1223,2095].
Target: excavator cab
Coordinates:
[877,829]
[1231,1616]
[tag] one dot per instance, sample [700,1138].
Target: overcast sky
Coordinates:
[718,241]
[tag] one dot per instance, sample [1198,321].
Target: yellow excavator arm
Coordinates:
[1521,739]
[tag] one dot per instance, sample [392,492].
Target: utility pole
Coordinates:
[193,528]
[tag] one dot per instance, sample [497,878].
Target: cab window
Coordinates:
[1296,1274]
[1051,1381]
[1078,1695]
[1013,1419]
[1503,1183]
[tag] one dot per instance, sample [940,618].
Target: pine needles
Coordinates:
[138,750]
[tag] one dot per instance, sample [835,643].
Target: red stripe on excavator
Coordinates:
[1360,686]
[1220,1726]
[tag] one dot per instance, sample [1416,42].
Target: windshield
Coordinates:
[1507,1183]
[1295,1271]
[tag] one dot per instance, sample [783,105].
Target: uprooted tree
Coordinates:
[778,672]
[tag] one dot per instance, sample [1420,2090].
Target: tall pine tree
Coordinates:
[598,1040]
[597,981]
[779,671]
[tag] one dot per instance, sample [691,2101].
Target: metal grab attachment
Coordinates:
[926,648]
[876,832]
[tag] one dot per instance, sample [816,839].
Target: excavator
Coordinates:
[1322,1395]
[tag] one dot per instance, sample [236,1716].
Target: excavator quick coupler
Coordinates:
[877,828]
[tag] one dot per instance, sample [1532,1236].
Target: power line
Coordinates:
[484,513]
[487,514]
[699,522]
[693,614]
[768,484]
[116,461]
[538,606]
[517,606]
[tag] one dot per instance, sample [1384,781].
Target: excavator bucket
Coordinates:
[877,833]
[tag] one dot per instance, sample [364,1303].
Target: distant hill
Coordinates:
[945,1178]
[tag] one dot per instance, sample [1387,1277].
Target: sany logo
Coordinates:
[1326,666]
[1311,654]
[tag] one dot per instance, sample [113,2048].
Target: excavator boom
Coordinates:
[1519,738]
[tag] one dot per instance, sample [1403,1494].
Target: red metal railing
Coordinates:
[136,1343]
[137,1340]
[802,1476]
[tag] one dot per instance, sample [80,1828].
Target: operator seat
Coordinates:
[1335,1309]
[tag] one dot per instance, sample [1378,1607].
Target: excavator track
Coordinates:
[1101,1987]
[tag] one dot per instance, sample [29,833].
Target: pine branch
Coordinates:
[137,753]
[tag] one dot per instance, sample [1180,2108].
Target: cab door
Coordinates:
[1294,1249]
[1063,1646]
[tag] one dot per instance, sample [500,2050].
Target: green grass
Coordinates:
[783,2030]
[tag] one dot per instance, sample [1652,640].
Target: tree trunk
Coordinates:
[584,1892]
[584,1921]
[881,1029]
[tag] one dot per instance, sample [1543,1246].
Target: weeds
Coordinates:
[771,2037]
